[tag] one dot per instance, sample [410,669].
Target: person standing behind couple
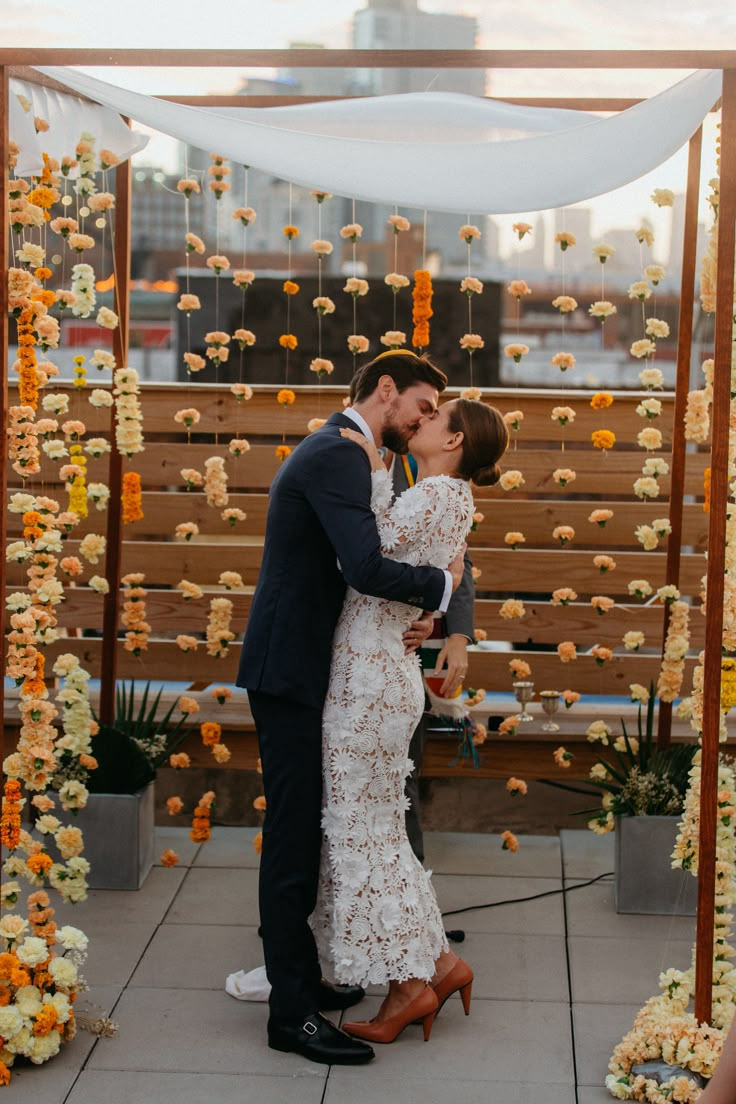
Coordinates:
[321,534]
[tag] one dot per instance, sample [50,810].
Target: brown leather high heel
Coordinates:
[460,977]
[422,1009]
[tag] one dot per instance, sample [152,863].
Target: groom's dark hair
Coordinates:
[404,367]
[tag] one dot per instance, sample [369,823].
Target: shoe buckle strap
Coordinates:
[310,1028]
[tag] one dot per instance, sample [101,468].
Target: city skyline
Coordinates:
[501,24]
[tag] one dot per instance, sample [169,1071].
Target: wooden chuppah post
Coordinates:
[682,386]
[4,265]
[111,608]
[716,552]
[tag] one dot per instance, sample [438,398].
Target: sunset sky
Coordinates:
[510,24]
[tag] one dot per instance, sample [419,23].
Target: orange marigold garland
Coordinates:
[422,308]
[10,821]
[131,498]
[201,831]
[28,382]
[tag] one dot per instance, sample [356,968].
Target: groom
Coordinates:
[321,535]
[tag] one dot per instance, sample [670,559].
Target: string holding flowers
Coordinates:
[470,342]
[322,304]
[563,415]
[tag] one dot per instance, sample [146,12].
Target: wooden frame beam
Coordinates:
[682,387]
[375,59]
[716,553]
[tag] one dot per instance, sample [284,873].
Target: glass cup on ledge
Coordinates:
[524,692]
[550,704]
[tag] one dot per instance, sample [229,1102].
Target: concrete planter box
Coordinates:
[645,880]
[118,838]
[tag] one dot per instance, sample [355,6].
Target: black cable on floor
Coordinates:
[534,897]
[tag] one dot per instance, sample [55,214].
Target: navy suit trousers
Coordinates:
[290,740]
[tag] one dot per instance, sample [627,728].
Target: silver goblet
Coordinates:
[550,704]
[524,692]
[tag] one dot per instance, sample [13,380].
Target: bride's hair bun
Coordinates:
[486,476]
[485,439]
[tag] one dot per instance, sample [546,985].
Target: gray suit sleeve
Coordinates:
[460,616]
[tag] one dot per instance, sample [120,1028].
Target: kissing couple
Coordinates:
[349,580]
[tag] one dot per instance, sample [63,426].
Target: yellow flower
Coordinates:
[603,438]
[603,252]
[291,232]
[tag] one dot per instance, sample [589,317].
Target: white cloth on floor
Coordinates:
[249,985]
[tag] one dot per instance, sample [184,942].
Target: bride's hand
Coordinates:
[368,447]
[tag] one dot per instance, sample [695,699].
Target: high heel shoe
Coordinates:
[422,1009]
[459,978]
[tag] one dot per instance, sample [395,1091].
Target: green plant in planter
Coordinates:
[637,778]
[130,751]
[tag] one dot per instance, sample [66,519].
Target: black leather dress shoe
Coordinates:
[332,998]
[318,1040]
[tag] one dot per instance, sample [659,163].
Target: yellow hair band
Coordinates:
[398,352]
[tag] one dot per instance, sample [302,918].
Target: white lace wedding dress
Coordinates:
[376,917]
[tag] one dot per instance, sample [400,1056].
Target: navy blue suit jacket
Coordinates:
[319,513]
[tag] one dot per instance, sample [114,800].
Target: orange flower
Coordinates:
[290,287]
[221,694]
[288,341]
[131,497]
[421,308]
[510,842]
[282,451]
[601,400]
[211,733]
[603,439]
[4,1074]
[285,397]
[45,1020]
[174,805]
[39,863]
[179,760]
[258,843]
[291,232]
[169,858]
[516,786]
[259,803]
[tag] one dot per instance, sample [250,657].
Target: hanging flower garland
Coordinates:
[133,617]
[218,627]
[322,304]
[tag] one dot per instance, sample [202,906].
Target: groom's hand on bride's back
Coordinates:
[457,567]
[417,633]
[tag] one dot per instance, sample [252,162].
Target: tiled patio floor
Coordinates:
[558,981]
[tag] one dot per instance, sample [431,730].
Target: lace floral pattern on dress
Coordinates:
[377,917]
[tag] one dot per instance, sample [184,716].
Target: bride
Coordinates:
[377,919]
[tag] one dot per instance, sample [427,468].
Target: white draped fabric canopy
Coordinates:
[432,150]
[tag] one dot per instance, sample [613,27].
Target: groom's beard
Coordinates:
[395,438]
